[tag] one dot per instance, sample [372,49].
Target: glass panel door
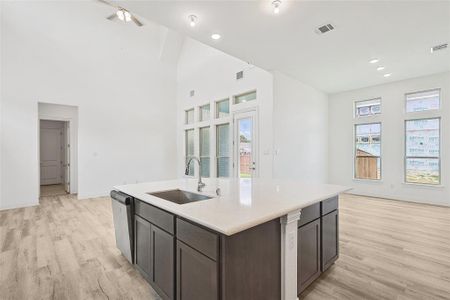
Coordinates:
[245,141]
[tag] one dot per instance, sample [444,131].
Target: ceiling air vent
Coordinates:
[324,28]
[239,75]
[439,47]
[192,93]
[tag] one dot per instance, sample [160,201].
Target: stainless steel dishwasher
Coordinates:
[123,223]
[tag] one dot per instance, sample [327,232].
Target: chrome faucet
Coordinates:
[200,185]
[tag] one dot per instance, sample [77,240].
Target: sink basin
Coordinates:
[180,196]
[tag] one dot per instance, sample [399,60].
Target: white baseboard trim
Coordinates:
[86,197]
[372,195]
[2,208]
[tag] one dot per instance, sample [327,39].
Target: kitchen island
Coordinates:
[252,239]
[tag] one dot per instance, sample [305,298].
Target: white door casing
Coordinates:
[66,164]
[50,156]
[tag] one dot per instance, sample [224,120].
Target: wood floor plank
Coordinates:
[65,249]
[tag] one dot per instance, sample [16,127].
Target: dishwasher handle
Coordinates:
[121,197]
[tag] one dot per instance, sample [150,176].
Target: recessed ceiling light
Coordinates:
[374,61]
[380,68]
[276,6]
[192,20]
[215,36]
[387,75]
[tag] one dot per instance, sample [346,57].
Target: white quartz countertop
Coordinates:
[243,203]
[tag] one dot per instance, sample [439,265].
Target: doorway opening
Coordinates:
[54,157]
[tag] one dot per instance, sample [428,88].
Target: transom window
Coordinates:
[204,113]
[222,108]
[367,108]
[189,116]
[250,96]
[423,101]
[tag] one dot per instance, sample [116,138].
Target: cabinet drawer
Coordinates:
[309,214]
[155,216]
[329,205]
[198,238]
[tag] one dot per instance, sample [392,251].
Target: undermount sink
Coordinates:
[180,196]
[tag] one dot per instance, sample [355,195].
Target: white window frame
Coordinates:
[200,112]
[423,111]
[200,149]
[355,151]
[186,119]
[216,111]
[230,157]
[243,94]
[186,156]
[439,158]
[355,104]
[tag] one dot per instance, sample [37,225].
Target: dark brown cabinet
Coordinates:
[143,246]
[318,241]
[163,263]
[308,262]
[183,260]
[330,239]
[197,275]
[154,250]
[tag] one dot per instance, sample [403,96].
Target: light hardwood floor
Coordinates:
[65,249]
[52,190]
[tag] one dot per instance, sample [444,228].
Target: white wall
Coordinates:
[1,94]
[68,113]
[300,131]
[392,184]
[65,53]
[212,74]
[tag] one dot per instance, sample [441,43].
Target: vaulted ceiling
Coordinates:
[398,33]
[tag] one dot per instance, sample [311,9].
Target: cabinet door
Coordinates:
[330,239]
[163,263]
[308,254]
[197,275]
[143,246]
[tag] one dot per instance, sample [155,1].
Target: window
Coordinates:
[368,151]
[422,101]
[204,112]
[204,151]
[222,108]
[422,147]
[367,107]
[223,150]
[189,116]
[245,97]
[189,151]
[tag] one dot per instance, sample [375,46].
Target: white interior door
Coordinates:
[50,152]
[246,144]
[66,165]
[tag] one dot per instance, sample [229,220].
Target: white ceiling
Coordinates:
[399,33]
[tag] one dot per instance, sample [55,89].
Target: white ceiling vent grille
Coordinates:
[324,28]
[439,47]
